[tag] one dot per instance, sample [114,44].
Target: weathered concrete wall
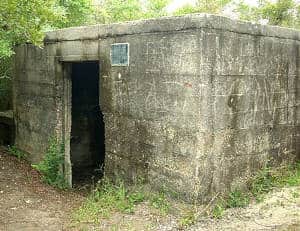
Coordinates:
[35,99]
[204,103]
[206,108]
[198,111]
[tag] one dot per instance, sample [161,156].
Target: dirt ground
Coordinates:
[26,204]
[280,211]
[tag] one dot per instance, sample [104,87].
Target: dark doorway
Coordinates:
[87,131]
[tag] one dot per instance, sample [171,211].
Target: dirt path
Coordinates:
[26,204]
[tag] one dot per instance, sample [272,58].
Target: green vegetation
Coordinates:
[189,218]
[110,11]
[13,150]
[281,12]
[50,167]
[23,21]
[296,194]
[156,8]
[218,210]
[237,198]
[265,181]
[105,199]
[111,197]
[269,178]
[26,21]
[108,197]
[118,10]
[159,201]
[75,13]
[204,6]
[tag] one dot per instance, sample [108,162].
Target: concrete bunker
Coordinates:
[87,148]
[195,104]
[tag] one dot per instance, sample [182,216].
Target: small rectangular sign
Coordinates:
[119,54]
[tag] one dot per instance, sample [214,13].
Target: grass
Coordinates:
[13,150]
[269,178]
[296,195]
[218,210]
[237,198]
[262,183]
[189,218]
[160,202]
[104,200]
[108,198]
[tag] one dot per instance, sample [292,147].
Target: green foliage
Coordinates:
[218,210]
[237,198]
[156,8]
[296,194]
[13,150]
[50,167]
[119,10]
[188,219]
[23,21]
[107,198]
[280,12]
[76,13]
[204,6]
[293,175]
[111,11]
[187,9]
[269,178]
[260,184]
[159,201]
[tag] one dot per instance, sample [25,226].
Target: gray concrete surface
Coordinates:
[203,104]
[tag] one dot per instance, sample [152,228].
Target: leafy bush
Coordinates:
[50,167]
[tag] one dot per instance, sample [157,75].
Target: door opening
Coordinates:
[87,150]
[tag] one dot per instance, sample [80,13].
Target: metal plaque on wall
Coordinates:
[119,54]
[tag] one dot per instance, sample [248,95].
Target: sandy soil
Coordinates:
[26,204]
[279,211]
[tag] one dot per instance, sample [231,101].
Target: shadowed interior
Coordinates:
[87,133]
